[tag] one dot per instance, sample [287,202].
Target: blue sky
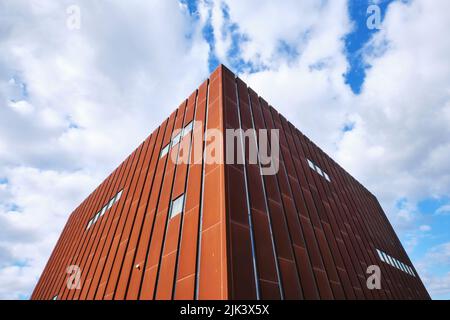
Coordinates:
[376,100]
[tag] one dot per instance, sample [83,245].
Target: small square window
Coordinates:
[164,151]
[311,164]
[176,139]
[177,206]
[326,176]
[188,128]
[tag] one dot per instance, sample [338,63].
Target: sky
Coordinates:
[83,82]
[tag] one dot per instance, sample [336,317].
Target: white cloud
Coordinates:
[74,103]
[399,146]
[436,258]
[34,206]
[443,210]
[65,97]
[425,228]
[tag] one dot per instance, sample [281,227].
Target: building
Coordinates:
[158,228]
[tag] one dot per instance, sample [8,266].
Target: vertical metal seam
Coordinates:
[134,215]
[163,241]
[274,249]
[157,202]
[202,193]
[186,185]
[247,195]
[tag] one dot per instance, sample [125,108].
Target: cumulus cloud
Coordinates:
[398,142]
[67,95]
[74,103]
[401,132]
[438,283]
[443,210]
[394,135]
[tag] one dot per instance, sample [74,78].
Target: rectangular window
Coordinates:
[311,164]
[177,206]
[164,151]
[176,139]
[188,128]
[326,177]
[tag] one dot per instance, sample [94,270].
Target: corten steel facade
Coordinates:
[302,233]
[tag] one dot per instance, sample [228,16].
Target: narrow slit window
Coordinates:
[176,139]
[177,206]
[103,211]
[404,267]
[188,128]
[389,259]
[380,255]
[392,261]
[326,177]
[385,257]
[311,164]
[89,224]
[164,151]
[319,171]
[119,195]
[409,270]
[96,217]
[110,204]
[55,297]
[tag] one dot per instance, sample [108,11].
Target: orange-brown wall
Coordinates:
[312,239]
[134,251]
[242,235]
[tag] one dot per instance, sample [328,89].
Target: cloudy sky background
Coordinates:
[75,102]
